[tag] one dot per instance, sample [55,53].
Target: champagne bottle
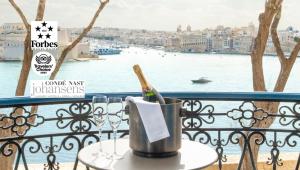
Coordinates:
[149,93]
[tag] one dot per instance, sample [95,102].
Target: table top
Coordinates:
[192,155]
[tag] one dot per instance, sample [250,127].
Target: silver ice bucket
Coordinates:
[138,140]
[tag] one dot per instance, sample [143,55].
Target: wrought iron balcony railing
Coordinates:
[61,127]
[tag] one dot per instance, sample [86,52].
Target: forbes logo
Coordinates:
[43,35]
[45,44]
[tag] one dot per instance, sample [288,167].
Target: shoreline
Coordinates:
[87,58]
[226,53]
[67,60]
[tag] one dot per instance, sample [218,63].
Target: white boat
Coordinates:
[107,51]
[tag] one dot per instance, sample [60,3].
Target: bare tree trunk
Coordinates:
[272,16]
[25,67]
[265,20]
[6,163]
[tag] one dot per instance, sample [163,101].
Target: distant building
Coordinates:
[173,44]
[179,29]
[1,50]
[208,33]
[64,40]
[227,44]
[270,49]
[189,28]
[217,43]
[193,43]
[13,28]
[251,30]
[242,44]
[287,39]
[12,41]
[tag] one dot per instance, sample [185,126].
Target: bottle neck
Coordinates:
[149,93]
[138,71]
[150,96]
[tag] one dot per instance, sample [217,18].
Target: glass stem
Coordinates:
[100,135]
[115,141]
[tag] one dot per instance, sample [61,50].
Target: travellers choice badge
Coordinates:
[43,63]
[43,35]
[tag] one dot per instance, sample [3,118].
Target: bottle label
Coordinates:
[149,94]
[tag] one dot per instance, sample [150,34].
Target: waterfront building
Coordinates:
[193,43]
[12,41]
[13,28]
[219,30]
[217,43]
[173,44]
[251,30]
[227,43]
[242,44]
[12,49]
[220,39]
[287,39]
[270,49]
[208,33]
[64,39]
[209,44]
[179,29]
[189,28]
[155,41]
[1,50]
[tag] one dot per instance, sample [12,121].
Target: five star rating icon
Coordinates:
[43,35]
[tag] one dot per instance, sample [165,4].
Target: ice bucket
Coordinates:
[138,140]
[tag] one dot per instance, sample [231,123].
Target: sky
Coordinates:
[153,14]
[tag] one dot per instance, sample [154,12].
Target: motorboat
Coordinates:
[201,80]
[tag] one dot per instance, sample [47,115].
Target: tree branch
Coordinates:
[265,20]
[40,10]
[21,14]
[257,54]
[286,69]
[78,39]
[286,64]
[278,2]
[275,38]
[23,78]
[294,53]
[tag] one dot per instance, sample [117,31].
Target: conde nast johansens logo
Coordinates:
[57,89]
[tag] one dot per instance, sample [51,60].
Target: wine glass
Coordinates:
[99,105]
[115,115]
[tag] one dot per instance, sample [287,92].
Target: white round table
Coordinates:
[192,155]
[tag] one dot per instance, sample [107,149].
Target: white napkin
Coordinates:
[152,118]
